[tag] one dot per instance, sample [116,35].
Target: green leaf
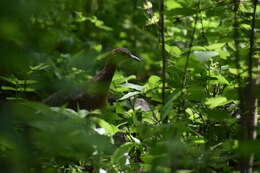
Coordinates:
[98,23]
[128,95]
[181,11]
[218,78]
[153,79]
[152,83]
[196,92]
[173,50]
[16,81]
[39,67]
[133,86]
[80,17]
[233,71]
[20,89]
[217,115]
[204,56]
[215,46]
[120,155]
[216,101]
[223,54]
[168,106]
[170,4]
[110,129]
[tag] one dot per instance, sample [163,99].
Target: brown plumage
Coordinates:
[92,94]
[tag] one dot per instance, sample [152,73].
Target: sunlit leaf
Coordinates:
[173,50]
[133,86]
[172,4]
[128,95]
[110,129]
[215,46]
[204,56]
[216,101]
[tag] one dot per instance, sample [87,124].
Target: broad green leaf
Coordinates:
[233,71]
[173,50]
[216,101]
[232,45]
[215,46]
[110,129]
[181,11]
[219,79]
[120,155]
[197,92]
[204,56]
[153,79]
[153,82]
[119,78]
[170,4]
[223,54]
[192,115]
[200,48]
[66,112]
[217,114]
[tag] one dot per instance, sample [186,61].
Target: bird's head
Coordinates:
[121,54]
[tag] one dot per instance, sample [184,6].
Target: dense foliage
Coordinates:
[47,44]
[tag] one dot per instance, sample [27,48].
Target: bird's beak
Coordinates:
[135,57]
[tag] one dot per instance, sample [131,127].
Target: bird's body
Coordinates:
[93,93]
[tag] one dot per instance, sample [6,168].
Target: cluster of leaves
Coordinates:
[46,45]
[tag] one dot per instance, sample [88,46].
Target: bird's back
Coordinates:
[77,97]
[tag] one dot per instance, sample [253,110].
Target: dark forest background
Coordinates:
[190,106]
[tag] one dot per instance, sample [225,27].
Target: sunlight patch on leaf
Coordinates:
[215,46]
[204,56]
[216,101]
[98,23]
[233,71]
[220,79]
[106,128]
[136,140]
[191,114]
[152,83]
[128,95]
[170,4]
[199,141]
[173,50]
[133,86]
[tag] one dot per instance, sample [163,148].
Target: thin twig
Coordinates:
[184,78]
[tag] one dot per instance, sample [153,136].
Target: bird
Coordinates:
[92,94]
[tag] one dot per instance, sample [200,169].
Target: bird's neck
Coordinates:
[105,76]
